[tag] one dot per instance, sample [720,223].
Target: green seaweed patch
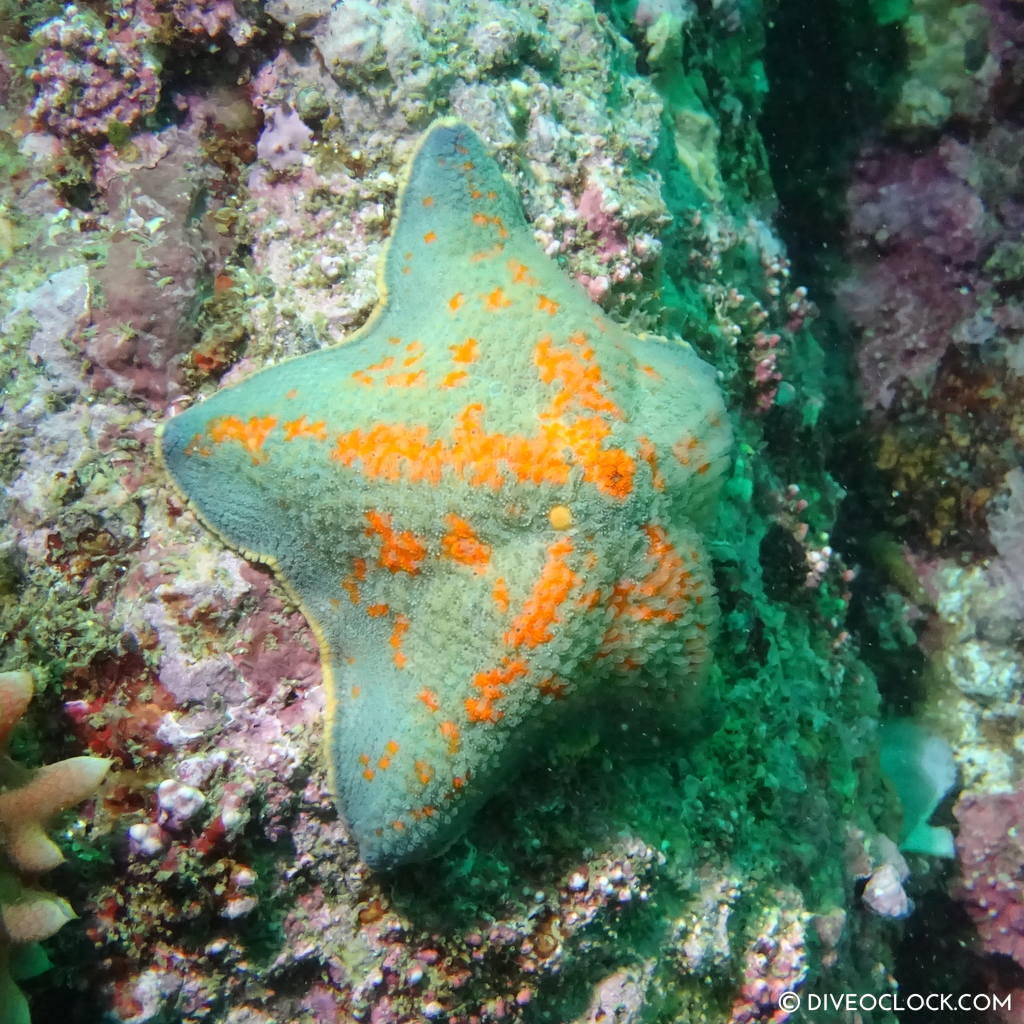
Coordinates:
[888,12]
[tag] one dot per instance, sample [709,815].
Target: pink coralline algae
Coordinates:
[990,848]
[89,77]
[284,138]
[144,296]
[213,17]
[775,963]
[918,230]
[599,215]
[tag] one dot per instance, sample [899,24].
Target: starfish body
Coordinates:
[488,502]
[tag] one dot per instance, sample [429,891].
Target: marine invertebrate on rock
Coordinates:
[28,800]
[489,503]
[990,850]
[92,76]
[775,963]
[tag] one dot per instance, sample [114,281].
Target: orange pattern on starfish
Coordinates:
[251,434]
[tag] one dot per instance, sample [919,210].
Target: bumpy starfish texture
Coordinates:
[488,502]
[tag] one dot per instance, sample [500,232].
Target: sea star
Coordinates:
[488,502]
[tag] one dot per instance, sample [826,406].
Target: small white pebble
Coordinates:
[238,906]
